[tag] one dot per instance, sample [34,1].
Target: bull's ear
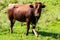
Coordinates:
[43,6]
[31,6]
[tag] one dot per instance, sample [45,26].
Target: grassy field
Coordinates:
[48,26]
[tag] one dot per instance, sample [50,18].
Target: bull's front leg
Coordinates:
[28,26]
[33,30]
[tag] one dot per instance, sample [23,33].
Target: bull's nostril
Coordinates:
[36,15]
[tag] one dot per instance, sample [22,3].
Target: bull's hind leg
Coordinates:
[11,25]
[28,26]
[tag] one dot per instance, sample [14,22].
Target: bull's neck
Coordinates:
[39,10]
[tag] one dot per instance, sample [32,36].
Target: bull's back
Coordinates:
[22,13]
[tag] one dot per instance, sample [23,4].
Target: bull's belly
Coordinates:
[21,19]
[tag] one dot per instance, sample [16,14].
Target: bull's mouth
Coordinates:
[36,15]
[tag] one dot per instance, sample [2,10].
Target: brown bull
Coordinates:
[28,13]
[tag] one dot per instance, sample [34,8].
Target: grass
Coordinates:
[48,26]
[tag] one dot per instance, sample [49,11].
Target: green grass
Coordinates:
[48,26]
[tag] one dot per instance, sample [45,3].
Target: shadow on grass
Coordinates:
[54,35]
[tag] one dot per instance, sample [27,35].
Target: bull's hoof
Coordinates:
[11,32]
[26,34]
[32,32]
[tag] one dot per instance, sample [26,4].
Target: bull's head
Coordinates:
[38,8]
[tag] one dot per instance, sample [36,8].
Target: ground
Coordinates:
[48,26]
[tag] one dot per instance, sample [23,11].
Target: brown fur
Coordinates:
[29,13]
